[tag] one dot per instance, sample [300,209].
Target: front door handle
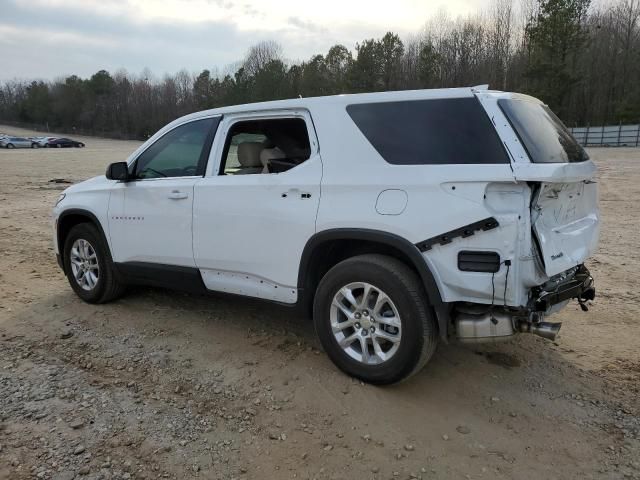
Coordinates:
[178,195]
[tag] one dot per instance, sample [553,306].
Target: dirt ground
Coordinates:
[168,385]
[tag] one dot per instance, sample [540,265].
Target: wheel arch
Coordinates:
[325,249]
[69,219]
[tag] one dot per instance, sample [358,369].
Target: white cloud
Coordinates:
[83,36]
[54,38]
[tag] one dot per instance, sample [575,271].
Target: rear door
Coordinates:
[251,223]
[564,206]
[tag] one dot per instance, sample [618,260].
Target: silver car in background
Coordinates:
[42,141]
[16,142]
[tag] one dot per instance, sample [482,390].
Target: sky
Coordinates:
[47,39]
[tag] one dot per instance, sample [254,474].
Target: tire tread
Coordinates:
[112,288]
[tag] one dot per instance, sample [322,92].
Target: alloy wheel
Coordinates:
[84,264]
[365,323]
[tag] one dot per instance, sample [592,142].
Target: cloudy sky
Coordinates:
[49,38]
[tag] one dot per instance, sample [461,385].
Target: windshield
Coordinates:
[544,136]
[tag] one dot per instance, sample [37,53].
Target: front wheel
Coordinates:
[88,265]
[10,145]
[373,319]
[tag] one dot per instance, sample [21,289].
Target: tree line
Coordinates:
[583,60]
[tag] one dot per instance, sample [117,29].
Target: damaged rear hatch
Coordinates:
[564,205]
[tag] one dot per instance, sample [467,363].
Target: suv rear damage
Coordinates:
[398,219]
[556,173]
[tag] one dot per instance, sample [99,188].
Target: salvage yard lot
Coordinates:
[169,385]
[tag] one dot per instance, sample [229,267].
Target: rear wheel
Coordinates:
[88,265]
[373,319]
[35,145]
[10,145]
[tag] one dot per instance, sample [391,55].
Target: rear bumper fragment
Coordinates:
[580,287]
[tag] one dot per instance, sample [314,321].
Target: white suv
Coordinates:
[397,218]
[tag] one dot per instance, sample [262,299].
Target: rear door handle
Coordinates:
[295,192]
[178,195]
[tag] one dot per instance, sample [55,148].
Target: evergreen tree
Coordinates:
[554,39]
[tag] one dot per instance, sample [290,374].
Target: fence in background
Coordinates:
[608,136]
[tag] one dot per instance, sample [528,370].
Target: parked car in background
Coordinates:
[42,141]
[63,142]
[16,142]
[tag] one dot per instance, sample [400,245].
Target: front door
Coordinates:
[150,217]
[256,208]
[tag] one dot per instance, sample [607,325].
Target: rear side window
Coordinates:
[543,135]
[265,146]
[430,132]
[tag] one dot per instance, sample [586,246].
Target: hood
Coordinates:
[95,183]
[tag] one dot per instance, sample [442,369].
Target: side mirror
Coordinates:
[118,171]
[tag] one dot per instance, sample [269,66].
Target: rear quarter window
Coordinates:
[430,132]
[542,133]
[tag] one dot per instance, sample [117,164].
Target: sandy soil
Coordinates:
[167,385]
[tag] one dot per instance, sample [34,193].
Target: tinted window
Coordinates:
[182,152]
[543,135]
[426,132]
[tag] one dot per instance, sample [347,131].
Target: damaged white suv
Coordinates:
[397,218]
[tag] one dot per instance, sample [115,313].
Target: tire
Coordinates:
[59,145]
[107,287]
[35,145]
[10,145]
[416,338]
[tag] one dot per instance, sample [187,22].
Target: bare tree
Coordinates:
[590,76]
[260,55]
[500,40]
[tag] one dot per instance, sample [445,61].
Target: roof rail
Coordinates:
[480,87]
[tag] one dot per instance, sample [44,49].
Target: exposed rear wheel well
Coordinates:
[332,252]
[329,247]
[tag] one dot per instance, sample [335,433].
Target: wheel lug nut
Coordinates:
[358,315]
[357,325]
[373,329]
[365,332]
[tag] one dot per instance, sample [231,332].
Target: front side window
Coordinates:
[430,132]
[542,133]
[265,146]
[182,152]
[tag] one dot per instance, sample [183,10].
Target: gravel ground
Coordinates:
[168,385]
